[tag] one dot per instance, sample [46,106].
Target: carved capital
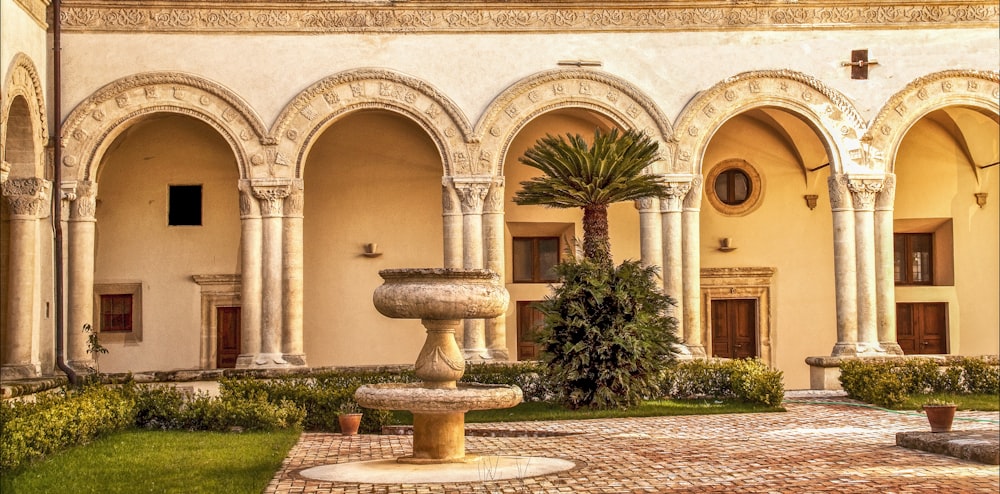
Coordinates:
[494,199]
[864,189]
[249,207]
[472,193]
[840,196]
[646,205]
[27,197]
[887,196]
[677,189]
[271,194]
[82,200]
[295,202]
[692,200]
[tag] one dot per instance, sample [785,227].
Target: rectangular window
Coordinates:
[913,258]
[116,312]
[184,205]
[535,259]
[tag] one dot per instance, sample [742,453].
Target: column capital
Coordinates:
[271,193]
[472,192]
[81,197]
[295,202]
[887,196]
[28,197]
[840,195]
[692,200]
[864,189]
[677,188]
[494,198]
[647,205]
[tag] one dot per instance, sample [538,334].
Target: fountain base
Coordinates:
[477,469]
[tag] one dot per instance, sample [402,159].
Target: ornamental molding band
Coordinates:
[37,9]
[314,109]
[821,106]
[92,126]
[970,88]
[23,80]
[603,93]
[453,16]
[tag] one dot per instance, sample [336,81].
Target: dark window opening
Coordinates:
[184,206]
[535,259]
[116,312]
[913,258]
[733,187]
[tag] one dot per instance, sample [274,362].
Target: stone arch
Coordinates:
[973,88]
[23,95]
[608,95]
[826,111]
[301,122]
[94,123]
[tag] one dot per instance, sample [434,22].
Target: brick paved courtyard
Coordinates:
[810,448]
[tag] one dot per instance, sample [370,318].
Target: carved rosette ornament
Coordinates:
[863,192]
[673,202]
[28,197]
[472,195]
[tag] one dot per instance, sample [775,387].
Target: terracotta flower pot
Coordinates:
[940,417]
[349,423]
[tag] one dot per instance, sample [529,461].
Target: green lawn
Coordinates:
[137,461]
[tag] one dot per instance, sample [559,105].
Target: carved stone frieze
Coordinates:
[484,16]
[27,197]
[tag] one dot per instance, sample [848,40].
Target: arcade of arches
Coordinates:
[197,235]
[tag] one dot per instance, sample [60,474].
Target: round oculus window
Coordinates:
[735,187]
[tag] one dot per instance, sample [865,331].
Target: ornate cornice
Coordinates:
[351,16]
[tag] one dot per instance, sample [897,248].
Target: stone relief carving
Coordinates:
[258,16]
[27,196]
[674,200]
[840,199]
[272,196]
[494,199]
[887,196]
[295,202]
[692,200]
[83,204]
[472,195]
[863,192]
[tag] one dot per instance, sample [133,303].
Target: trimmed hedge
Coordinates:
[889,382]
[748,380]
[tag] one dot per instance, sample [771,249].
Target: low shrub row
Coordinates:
[889,382]
[748,380]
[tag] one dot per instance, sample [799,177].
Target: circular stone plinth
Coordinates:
[475,469]
[415,398]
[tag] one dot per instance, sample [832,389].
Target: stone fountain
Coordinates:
[441,299]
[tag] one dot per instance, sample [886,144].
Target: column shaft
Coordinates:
[650,231]
[472,193]
[272,194]
[673,249]
[493,243]
[251,244]
[80,275]
[291,343]
[845,267]
[885,279]
[863,192]
[693,333]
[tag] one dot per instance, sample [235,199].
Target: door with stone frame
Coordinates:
[922,328]
[228,338]
[734,328]
[529,319]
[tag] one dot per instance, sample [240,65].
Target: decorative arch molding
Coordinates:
[973,88]
[23,81]
[304,119]
[603,93]
[826,110]
[92,126]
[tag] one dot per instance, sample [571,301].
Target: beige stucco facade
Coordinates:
[316,130]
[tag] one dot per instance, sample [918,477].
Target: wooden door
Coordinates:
[227,347]
[922,328]
[529,319]
[734,328]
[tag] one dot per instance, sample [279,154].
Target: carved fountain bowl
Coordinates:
[440,293]
[415,398]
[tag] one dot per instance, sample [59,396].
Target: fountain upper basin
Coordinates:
[440,293]
[415,398]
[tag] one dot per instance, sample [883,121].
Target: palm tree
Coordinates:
[592,178]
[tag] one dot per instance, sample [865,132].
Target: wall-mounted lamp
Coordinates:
[371,250]
[981,199]
[726,244]
[811,200]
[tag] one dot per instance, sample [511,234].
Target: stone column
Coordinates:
[694,334]
[251,243]
[28,199]
[272,194]
[472,193]
[845,267]
[451,216]
[863,191]
[291,341]
[671,208]
[650,231]
[80,273]
[493,208]
[885,277]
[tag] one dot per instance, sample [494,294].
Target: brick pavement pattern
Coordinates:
[810,448]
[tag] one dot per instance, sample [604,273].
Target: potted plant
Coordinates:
[349,418]
[940,414]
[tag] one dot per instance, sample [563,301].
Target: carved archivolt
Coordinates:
[95,122]
[23,81]
[600,92]
[484,16]
[971,88]
[827,111]
[333,97]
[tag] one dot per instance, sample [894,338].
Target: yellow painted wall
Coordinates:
[134,243]
[371,177]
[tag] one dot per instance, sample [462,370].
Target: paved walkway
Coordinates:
[811,448]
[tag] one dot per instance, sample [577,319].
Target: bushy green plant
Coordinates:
[873,382]
[749,380]
[157,407]
[889,382]
[755,382]
[251,413]
[529,376]
[978,376]
[606,334]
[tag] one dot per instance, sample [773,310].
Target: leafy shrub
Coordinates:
[529,376]
[252,413]
[978,376]
[873,382]
[157,407]
[749,380]
[606,335]
[888,382]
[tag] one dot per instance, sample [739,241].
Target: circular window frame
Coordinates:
[752,201]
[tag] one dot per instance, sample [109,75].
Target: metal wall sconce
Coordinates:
[371,250]
[726,244]
[981,199]
[811,200]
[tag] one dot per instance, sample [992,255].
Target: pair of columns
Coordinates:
[474,239]
[28,200]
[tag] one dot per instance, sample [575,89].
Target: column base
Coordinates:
[499,354]
[476,354]
[268,361]
[10,372]
[845,350]
[892,348]
[696,351]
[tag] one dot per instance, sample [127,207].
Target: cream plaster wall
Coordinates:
[472,69]
[783,233]
[371,177]
[21,34]
[134,243]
